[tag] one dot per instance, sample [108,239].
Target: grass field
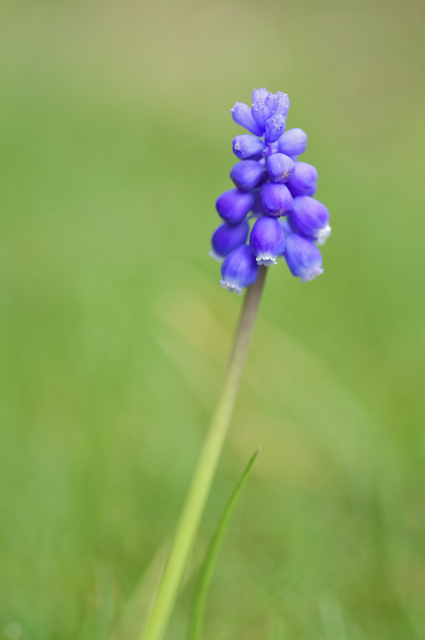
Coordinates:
[115,142]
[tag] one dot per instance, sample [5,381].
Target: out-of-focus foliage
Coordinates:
[115,129]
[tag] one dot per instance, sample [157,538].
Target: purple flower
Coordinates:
[302,257]
[277,199]
[280,167]
[259,95]
[227,238]
[293,142]
[275,126]
[241,114]
[303,182]
[233,205]
[260,113]
[281,104]
[239,269]
[267,240]
[247,174]
[278,103]
[270,183]
[309,217]
[246,146]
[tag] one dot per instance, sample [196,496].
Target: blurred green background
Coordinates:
[115,142]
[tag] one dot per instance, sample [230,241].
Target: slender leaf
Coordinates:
[198,607]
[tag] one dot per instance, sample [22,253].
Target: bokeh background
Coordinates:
[115,142]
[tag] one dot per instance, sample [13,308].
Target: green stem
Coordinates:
[198,493]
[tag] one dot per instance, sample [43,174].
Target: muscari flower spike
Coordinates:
[275,190]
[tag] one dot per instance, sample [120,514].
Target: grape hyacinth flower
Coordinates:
[267,240]
[309,217]
[303,257]
[272,191]
[239,270]
[227,238]
[271,183]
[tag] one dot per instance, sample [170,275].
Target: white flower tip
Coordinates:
[323,235]
[313,273]
[231,287]
[267,262]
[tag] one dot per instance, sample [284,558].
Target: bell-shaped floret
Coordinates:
[280,167]
[246,146]
[247,174]
[239,270]
[309,217]
[241,114]
[277,199]
[233,205]
[275,126]
[260,114]
[259,95]
[278,103]
[281,104]
[303,182]
[303,257]
[293,142]
[227,238]
[267,240]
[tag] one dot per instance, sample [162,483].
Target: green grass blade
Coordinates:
[198,607]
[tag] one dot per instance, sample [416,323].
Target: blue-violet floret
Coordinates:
[308,216]
[247,174]
[293,142]
[280,167]
[267,240]
[227,238]
[239,270]
[302,257]
[233,205]
[303,181]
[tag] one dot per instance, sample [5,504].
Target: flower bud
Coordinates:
[239,269]
[281,104]
[293,142]
[259,95]
[245,146]
[280,167]
[303,182]
[233,205]
[227,238]
[308,216]
[247,174]
[270,102]
[275,126]
[267,240]
[277,199]
[303,257]
[241,114]
[260,113]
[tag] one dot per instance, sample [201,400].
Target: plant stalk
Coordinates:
[198,493]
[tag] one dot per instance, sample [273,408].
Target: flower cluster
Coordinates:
[273,188]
